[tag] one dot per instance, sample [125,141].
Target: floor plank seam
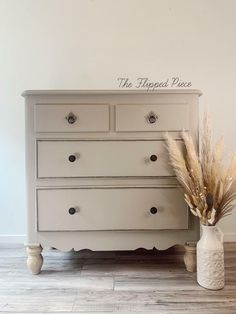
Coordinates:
[100,283]
[75,299]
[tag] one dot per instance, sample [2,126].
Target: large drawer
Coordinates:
[153,117]
[102,159]
[111,209]
[71,118]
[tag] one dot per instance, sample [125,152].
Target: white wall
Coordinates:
[87,44]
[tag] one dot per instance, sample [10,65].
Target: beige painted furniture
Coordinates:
[97,170]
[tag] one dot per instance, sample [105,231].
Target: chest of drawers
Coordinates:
[97,170]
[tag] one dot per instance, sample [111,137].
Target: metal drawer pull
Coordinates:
[72,211]
[152,117]
[71,118]
[153,157]
[72,158]
[153,210]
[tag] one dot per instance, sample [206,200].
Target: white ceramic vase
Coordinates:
[210,258]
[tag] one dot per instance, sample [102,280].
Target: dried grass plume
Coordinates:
[209,186]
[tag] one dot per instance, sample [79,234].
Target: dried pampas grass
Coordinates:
[209,186]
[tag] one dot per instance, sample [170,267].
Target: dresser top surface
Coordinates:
[110,91]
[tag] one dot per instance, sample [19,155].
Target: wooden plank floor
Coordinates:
[110,282]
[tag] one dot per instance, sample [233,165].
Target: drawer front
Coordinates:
[148,118]
[71,118]
[111,209]
[102,159]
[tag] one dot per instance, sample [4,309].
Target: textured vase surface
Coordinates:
[210,259]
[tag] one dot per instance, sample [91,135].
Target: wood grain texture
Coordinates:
[111,282]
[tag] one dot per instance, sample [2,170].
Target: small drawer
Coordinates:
[71,118]
[103,159]
[149,118]
[111,209]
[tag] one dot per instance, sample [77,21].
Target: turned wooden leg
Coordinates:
[35,259]
[190,256]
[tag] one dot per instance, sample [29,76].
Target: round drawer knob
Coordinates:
[153,210]
[153,157]
[152,118]
[71,118]
[72,211]
[72,158]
